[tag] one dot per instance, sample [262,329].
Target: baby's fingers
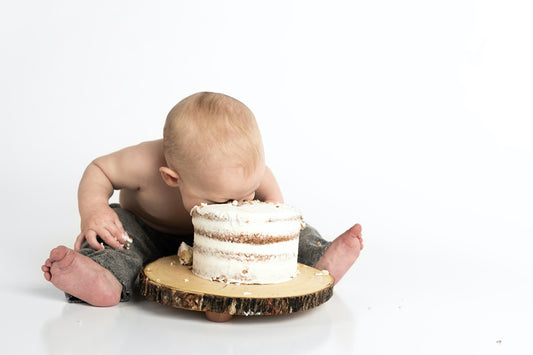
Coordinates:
[111,240]
[92,238]
[119,233]
[110,236]
[79,240]
[111,232]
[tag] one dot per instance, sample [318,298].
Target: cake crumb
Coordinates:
[319,244]
[127,241]
[232,309]
[185,253]
[499,341]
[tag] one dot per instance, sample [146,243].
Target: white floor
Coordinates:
[412,118]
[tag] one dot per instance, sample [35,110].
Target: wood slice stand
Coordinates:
[167,282]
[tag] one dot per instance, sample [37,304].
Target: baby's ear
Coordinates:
[170,176]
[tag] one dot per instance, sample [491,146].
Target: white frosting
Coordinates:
[272,260]
[250,211]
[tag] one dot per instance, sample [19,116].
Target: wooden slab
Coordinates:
[167,282]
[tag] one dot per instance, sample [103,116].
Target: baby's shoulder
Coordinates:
[155,146]
[150,150]
[137,159]
[132,167]
[149,154]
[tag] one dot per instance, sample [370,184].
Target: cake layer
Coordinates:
[289,247]
[217,267]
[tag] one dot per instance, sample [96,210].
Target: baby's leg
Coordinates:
[342,253]
[73,272]
[311,246]
[337,257]
[125,264]
[81,277]
[98,277]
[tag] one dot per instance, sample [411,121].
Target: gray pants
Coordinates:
[149,245]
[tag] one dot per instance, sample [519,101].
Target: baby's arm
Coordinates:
[97,218]
[269,190]
[104,175]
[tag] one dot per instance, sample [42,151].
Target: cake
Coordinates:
[249,243]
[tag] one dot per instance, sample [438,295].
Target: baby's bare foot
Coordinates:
[342,253]
[81,277]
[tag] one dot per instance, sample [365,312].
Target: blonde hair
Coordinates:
[210,125]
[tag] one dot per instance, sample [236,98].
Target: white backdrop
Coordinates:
[413,118]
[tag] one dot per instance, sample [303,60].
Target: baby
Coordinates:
[211,152]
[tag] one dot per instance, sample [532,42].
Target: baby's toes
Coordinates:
[46,271]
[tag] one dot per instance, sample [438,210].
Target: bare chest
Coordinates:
[159,206]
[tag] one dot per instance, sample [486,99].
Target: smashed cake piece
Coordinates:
[185,254]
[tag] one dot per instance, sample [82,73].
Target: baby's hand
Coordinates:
[103,223]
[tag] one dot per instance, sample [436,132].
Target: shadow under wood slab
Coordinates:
[167,282]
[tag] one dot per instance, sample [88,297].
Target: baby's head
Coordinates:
[213,149]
